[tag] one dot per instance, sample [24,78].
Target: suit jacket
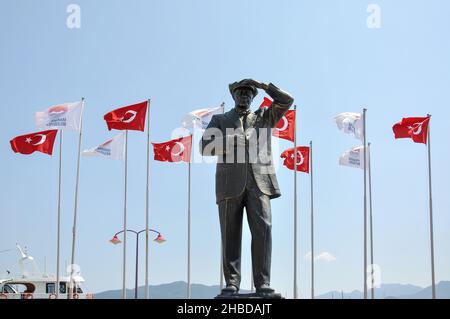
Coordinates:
[232,176]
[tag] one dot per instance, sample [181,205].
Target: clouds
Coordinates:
[323,256]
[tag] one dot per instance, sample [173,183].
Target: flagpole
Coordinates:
[147,292]
[74,228]
[59,214]
[295,207]
[433,280]
[124,291]
[365,204]
[189,230]
[312,216]
[371,223]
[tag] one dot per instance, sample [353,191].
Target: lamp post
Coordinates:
[115,240]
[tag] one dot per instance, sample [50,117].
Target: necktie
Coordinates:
[244,121]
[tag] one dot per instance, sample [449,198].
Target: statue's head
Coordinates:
[243,94]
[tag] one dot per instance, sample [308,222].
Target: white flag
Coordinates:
[199,119]
[351,123]
[65,116]
[354,158]
[113,149]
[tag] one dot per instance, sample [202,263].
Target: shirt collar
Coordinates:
[241,112]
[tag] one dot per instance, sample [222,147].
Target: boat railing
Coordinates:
[44,296]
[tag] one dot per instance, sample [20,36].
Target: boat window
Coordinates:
[23,287]
[62,287]
[8,289]
[50,288]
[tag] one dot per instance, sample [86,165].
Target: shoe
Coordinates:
[229,290]
[264,290]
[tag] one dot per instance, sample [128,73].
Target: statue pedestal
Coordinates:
[250,296]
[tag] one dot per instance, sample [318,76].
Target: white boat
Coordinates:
[34,284]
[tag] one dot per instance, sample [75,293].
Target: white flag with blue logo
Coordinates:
[354,158]
[199,119]
[65,116]
[351,123]
[113,148]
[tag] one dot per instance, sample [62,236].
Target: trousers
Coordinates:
[259,217]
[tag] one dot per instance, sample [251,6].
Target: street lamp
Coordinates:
[115,240]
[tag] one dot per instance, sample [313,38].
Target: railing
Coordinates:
[43,296]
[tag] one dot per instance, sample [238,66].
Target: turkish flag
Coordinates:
[130,117]
[266,103]
[176,150]
[415,128]
[285,128]
[302,158]
[39,141]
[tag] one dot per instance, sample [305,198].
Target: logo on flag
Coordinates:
[176,150]
[302,158]
[30,143]
[113,148]
[61,117]
[58,110]
[199,119]
[130,117]
[351,123]
[354,158]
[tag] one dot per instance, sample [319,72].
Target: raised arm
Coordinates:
[282,101]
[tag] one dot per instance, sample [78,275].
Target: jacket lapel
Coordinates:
[233,117]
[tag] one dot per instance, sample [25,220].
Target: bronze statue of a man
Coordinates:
[245,177]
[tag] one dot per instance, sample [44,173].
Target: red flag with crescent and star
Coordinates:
[266,103]
[130,117]
[176,150]
[302,158]
[40,141]
[415,128]
[285,128]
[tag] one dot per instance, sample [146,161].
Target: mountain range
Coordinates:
[177,290]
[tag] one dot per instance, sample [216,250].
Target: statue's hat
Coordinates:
[242,84]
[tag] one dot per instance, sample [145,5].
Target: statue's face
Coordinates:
[243,97]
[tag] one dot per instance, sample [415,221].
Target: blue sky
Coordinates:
[183,55]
